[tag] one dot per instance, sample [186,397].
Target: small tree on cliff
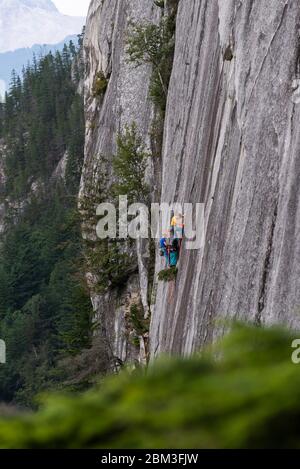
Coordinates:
[130,165]
[154,44]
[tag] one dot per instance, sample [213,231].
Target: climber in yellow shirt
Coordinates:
[177,226]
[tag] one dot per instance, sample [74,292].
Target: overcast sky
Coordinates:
[73,7]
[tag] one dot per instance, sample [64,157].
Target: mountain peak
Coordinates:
[24,23]
[46,5]
[43,4]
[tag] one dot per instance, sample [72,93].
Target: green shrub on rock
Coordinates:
[139,323]
[100,84]
[168,275]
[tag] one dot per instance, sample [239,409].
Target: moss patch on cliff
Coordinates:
[159,3]
[100,85]
[228,54]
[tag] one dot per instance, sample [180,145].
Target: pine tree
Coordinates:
[44,307]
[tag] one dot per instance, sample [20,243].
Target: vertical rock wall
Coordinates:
[232,141]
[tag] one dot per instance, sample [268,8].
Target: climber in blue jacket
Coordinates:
[165,247]
[169,250]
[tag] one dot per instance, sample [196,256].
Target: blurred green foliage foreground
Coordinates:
[244,393]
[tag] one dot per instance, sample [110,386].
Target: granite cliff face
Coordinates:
[231,141]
